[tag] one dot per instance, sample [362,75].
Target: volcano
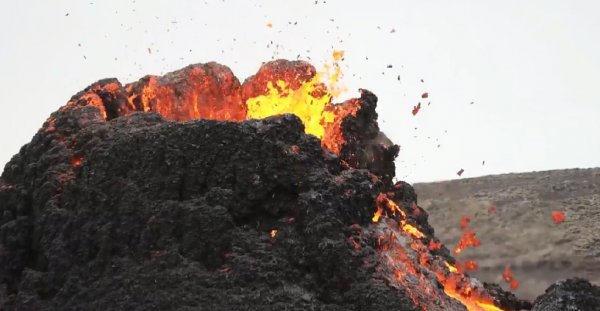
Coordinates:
[193,191]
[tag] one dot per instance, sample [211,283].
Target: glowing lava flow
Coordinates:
[508,276]
[383,200]
[208,91]
[211,91]
[468,238]
[459,287]
[310,100]
[410,262]
[308,103]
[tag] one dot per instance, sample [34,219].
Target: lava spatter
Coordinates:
[411,262]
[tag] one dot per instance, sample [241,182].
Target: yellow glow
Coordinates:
[377,214]
[281,99]
[451,267]
[472,305]
[413,231]
[308,102]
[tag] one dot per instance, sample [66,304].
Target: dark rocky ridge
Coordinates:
[140,213]
[573,294]
[163,215]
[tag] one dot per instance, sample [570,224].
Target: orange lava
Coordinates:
[410,259]
[208,91]
[384,203]
[296,87]
[377,214]
[211,91]
[334,139]
[93,96]
[457,286]
[468,239]
[464,222]
[413,231]
[76,161]
[471,265]
[434,245]
[558,217]
[509,278]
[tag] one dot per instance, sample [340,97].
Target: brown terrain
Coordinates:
[512,217]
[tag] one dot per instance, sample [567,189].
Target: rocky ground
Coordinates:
[520,231]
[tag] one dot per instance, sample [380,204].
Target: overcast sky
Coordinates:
[511,83]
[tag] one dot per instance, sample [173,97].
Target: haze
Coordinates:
[511,83]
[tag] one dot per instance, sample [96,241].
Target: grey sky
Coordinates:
[530,67]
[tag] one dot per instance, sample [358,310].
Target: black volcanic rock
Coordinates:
[368,147]
[572,294]
[115,209]
[139,213]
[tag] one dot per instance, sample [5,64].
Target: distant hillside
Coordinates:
[520,231]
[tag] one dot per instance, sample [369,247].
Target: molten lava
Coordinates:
[377,214]
[76,161]
[211,91]
[208,91]
[464,222]
[471,265]
[468,238]
[307,102]
[409,257]
[384,201]
[434,245]
[509,278]
[297,88]
[558,217]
